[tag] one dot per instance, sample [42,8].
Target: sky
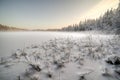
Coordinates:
[51,14]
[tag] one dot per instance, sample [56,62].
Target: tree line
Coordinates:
[109,23]
[7,28]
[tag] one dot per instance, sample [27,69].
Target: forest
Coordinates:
[108,23]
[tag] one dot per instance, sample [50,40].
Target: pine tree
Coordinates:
[117,21]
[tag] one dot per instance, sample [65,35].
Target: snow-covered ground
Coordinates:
[59,56]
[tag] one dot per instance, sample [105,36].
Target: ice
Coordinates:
[66,56]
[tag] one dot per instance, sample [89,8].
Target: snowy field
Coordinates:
[59,56]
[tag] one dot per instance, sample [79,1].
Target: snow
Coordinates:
[61,55]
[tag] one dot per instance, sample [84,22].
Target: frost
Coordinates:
[69,59]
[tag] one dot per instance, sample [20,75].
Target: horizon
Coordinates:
[39,14]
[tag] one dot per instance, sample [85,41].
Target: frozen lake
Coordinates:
[11,41]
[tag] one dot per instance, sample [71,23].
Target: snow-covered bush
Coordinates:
[59,58]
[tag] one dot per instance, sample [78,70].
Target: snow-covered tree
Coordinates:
[109,23]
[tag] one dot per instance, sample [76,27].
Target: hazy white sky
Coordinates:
[43,14]
[99,9]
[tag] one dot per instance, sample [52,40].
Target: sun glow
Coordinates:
[99,9]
